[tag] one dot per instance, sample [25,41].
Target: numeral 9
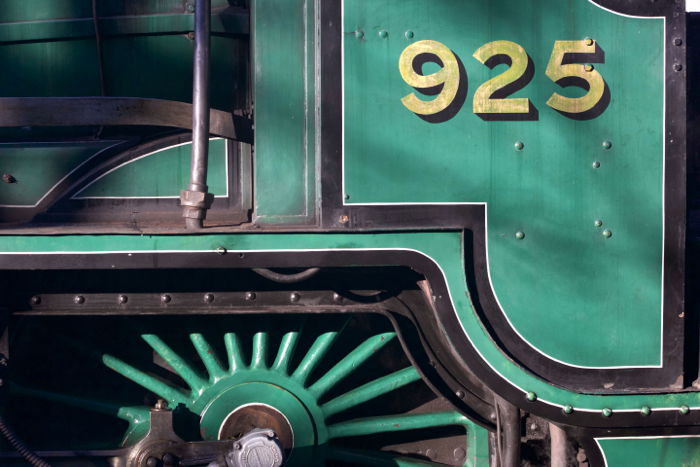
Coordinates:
[445,82]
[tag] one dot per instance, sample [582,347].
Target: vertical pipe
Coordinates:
[195,200]
[510,431]
[558,446]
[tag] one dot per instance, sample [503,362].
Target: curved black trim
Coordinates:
[336,215]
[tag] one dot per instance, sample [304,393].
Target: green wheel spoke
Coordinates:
[181,367]
[130,414]
[167,392]
[370,390]
[286,351]
[234,352]
[259,359]
[394,423]
[314,356]
[350,363]
[208,356]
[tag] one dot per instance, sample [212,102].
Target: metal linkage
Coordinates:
[196,200]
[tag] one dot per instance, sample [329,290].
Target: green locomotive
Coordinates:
[345,232]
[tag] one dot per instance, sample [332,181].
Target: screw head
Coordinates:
[519,235]
[645,410]
[383,33]
[519,145]
[588,67]
[165,298]
[568,409]
[250,296]
[208,298]
[152,462]
[684,410]
[677,41]
[598,223]
[607,412]
[78,299]
[221,250]
[294,297]
[409,34]
[607,233]
[35,300]
[122,299]
[359,34]
[607,144]
[677,66]
[531,396]
[596,164]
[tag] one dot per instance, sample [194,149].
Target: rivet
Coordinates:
[460,394]
[250,296]
[35,300]
[607,233]
[531,396]
[337,297]
[359,34]
[122,299]
[165,298]
[607,144]
[519,145]
[344,219]
[294,297]
[152,462]
[221,250]
[607,412]
[677,66]
[383,34]
[677,41]
[568,409]
[208,298]
[588,67]
[645,410]
[589,41]
[596,164]
[519,235]
[409,34]
[684,410]
[8,178]
[598,223]
[78,299]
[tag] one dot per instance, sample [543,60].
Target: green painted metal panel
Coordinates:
[161,174]
[576,295]
[37,168]
[441,247]
[651,452]
[284,111]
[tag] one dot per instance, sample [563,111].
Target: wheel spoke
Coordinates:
[234,352]
[208,356]
[350,363]
[314,356]
[181,367]
[259,359]
[286,351]
[394,423]
[167,392]
[369,391]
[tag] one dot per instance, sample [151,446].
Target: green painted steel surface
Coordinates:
[39,167]
[573,293]
[440,246]
[651,452]
[284,110]
[160,174]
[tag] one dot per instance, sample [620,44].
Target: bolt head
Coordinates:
[161,404]
[250,296]
[337,297]
[152,462]
[168,459]
[460,394]
[35,300]
[208,298]
[294,297]
[677,66]
[122,299]
[78,299]
[531,396]
[607,233]
[677,41]
[237,446]
[684,410]
[519,145]
[344,219]
[607,412]
[221,250]
[519,235]
[568,409]
[645,410]
[8,178]
[165,298]
[588,67]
